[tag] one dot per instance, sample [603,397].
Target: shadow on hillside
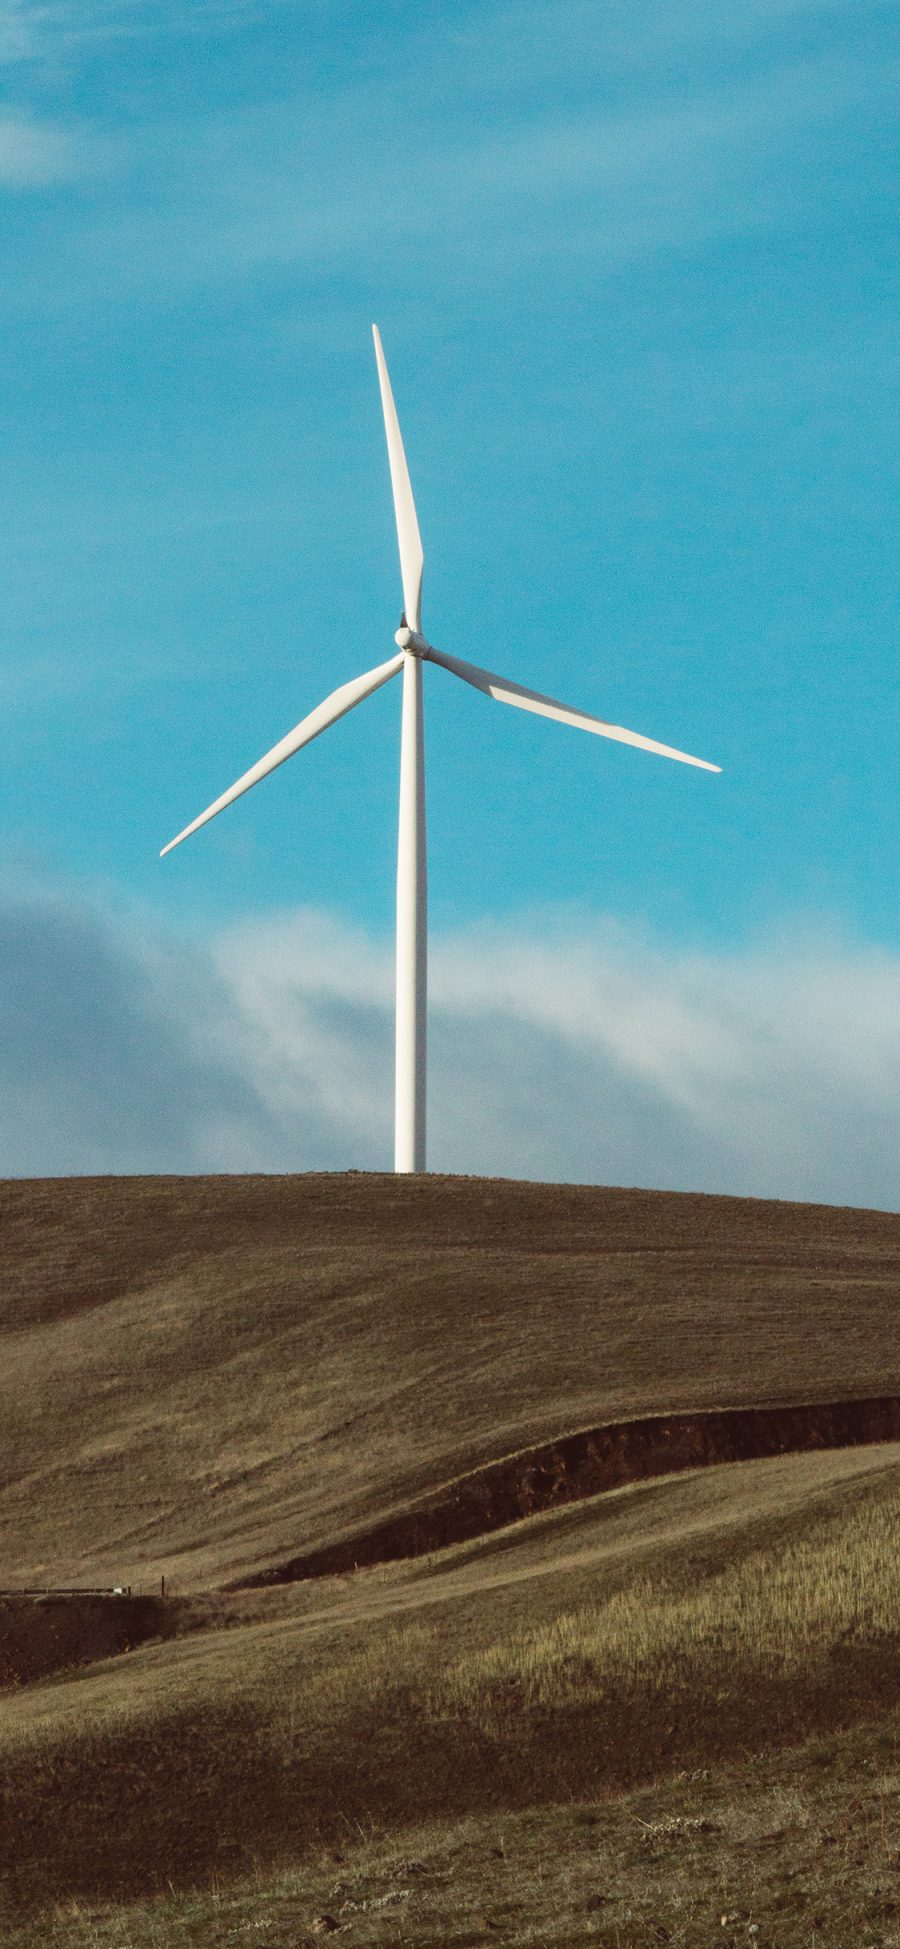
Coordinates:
[230,1792]
[46,1634]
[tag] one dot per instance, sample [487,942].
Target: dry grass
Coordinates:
[203,1376]
[395,1696]
[790,1850]
[775,1615]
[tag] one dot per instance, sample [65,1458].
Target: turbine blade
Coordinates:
[412,559]
[532,700]
[337,705]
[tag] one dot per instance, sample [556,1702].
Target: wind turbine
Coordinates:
[413,651]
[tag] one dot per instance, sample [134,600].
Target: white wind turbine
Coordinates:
[413,651]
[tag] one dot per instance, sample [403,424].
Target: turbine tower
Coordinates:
[413,651]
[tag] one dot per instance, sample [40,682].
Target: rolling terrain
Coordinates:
[202,1378]
[207,1379]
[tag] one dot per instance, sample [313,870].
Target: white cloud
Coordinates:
[576,1053]
[592,1054]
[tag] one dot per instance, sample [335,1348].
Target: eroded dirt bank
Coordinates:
[41,1635]
[586,1464]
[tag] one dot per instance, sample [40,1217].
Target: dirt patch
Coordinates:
[586,1464]
[42,1635]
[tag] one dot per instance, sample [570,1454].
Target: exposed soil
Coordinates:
[41,1635]
[586,1464]
[47,1633]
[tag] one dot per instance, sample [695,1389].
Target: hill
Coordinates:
[663,1633]
[205,1377]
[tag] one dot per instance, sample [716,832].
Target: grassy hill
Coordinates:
[205,1377]
[202,1377]
[668,1632]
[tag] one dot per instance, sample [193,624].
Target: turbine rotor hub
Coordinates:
[410,640]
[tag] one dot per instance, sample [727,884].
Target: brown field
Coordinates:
[202,1377]
[617,1721]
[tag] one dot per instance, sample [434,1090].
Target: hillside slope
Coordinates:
[670,1626]
[203,1376]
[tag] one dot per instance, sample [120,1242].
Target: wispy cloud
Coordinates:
[319,181]
[641,150]
[35,154]
[633,35]
[51,31]
[559,1052]
[35,31]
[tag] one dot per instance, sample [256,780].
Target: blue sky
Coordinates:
[634,267]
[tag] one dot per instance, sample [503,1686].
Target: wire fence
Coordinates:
[67,1590]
